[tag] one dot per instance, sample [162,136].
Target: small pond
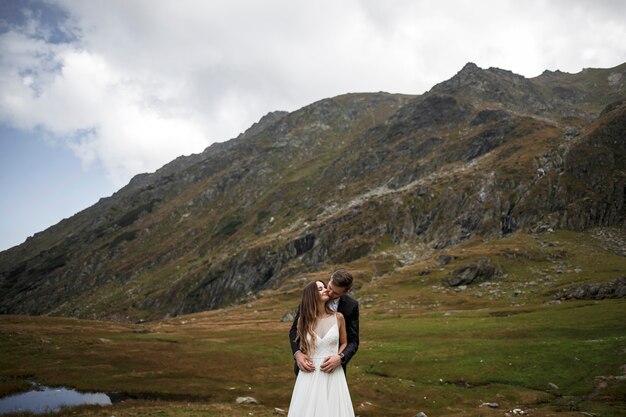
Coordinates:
[46,400]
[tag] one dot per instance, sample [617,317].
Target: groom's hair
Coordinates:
[342,278]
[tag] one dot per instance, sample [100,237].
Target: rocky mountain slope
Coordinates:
[486,153]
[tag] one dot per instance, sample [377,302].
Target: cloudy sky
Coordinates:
[94,92]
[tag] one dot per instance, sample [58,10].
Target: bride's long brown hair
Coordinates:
[309,311]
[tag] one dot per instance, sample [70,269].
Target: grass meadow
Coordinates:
[424,346]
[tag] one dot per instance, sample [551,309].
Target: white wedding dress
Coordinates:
[318,393]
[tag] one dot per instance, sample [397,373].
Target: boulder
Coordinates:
[445,259]
[595,291]
[288,317]
[246,400]
[483,270]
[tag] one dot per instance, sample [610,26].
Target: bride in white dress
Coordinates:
[321,333]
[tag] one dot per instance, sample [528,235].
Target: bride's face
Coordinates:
[322,291]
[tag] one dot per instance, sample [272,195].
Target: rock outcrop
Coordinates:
[599,291]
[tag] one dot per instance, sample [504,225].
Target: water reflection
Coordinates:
[47,400]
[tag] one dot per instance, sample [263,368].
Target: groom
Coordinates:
[338,287]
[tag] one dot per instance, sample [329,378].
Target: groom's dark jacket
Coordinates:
[347,306]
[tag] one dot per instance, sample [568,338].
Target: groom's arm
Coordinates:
[293,333]
[352,328]
[302,361]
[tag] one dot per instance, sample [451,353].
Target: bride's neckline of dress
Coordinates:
[324,329]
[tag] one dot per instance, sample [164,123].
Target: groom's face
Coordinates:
[335,291]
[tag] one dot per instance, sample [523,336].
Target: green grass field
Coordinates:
[424,347]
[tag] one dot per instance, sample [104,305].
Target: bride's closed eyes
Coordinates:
[322,290]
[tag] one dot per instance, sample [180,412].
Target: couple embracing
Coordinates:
[324,336]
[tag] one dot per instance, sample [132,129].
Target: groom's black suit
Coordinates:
[349,307]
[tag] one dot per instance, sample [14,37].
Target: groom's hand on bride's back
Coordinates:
[304,363]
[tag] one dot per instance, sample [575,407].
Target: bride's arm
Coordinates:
[343,336]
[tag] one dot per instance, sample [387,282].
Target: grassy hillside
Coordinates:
[485,153]
[425,346]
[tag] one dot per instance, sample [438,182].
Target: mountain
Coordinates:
[486,153]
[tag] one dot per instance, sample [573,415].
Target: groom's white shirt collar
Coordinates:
[334,304]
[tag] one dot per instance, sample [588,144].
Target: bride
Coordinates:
[321,333]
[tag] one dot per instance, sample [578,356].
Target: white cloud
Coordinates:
[146,81]
[102,113]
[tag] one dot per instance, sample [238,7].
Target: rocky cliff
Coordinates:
[487,152]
